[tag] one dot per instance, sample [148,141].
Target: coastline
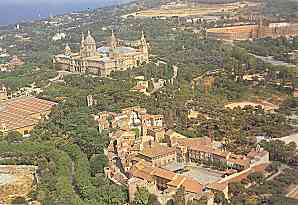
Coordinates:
[33,12]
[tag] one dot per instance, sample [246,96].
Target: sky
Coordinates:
[13,11]
[54,1]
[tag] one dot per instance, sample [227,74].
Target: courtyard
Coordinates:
[203,175]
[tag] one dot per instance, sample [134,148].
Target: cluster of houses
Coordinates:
[11,64]
[143,153]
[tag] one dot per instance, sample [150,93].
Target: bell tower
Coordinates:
[82,48]
[114,45]
[113,42]
[144,46]
[260,29]
[3,93]
[90,44]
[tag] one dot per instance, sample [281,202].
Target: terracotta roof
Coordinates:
[260,167]
[178,180]
[157,151]
[162,173]
[28,105]
[209,149]
[145,172]
[17,113]
[218,186]
[254,153]
[189,142]
[188,183]
[244,174]
[192,185]
[142,175]
[139,87]
[241,160]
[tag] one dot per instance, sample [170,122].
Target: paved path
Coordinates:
[293,193]
[290,138]
[280,170]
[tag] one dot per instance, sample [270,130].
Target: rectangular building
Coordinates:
[23,113]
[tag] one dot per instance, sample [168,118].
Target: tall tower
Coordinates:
[3,93]
[90,46]
[82,48]
[113,42]
[144,46]
[114,45]
[260,33]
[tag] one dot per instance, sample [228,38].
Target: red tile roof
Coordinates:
[192,185]
[245,173]
[209,149]
[17,113]
[218,186]
[145,172]
[240,160]
[163,173]
[158,151]
[254,153]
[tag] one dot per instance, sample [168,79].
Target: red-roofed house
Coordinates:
[23,113]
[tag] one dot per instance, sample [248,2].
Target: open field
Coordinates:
[183,10]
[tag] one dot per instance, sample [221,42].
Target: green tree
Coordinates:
[256,177]
[143,197]
[13,136]
[97,163]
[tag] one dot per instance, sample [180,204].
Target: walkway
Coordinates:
[293,193]
[280,170]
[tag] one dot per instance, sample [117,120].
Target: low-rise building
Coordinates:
[246,32]
[10,66]
[23,113]
[158,155]
[130,118]
[158,180]
[165,161]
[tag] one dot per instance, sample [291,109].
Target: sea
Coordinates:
[17,11]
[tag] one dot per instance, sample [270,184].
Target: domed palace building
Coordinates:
[102,61]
